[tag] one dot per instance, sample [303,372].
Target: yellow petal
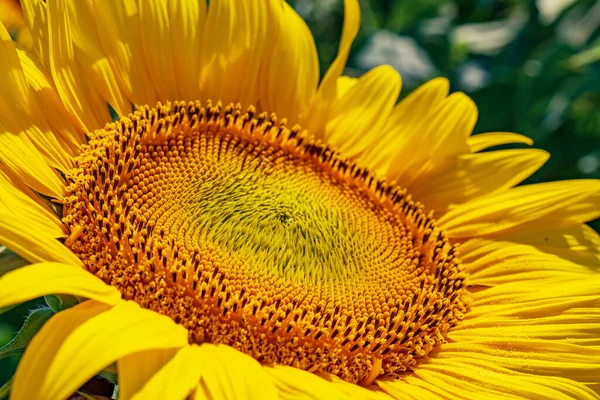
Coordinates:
[577,243]
[486,140]
[583,211]
[535,357]
[135,370]
[576,326]
[43,347]
[50,106]
[37,280]
[354,391]
[343,84]
[89,52]
[177,378]
[536,298]
[436,141]
[232,375]
[232,47]
[402,127]
[36,243]
[420,104]
[294,383]
[356,119]
[21,140]
[36,16]
[122,42]
[98,342]
[477,175]
[187,21]
[21,111]
[155,27]
[478,379]
[14,86]
[291,72]
[492,262]
[316,118]
[23,205]
[349,31]
[400,389]
[21,157]
[72,85]
[520,205]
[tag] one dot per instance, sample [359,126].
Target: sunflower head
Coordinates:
[257,236]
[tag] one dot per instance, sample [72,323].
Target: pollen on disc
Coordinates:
[256,236]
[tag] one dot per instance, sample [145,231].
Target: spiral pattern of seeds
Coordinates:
[254,235]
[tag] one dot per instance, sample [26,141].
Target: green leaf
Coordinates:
[9,261]
[8,308]
[5,389]
[584,58]
[109,376]
[32,325]
[59,302]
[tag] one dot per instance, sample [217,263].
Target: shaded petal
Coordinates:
[122,43]
[102,340]
[402,127]
[576,326]
[583,211]
[438,140]
[155,26]
[22,105]
[25,206]
[355,119]
[536,298]
[400,389]
[36,16]
[544,358]
[291,71]
[343,84]
[476,379]
[37,280]
[471,177]
[45,344]
[486,140]
[187,20]
[24,149]
[294,383]
[520,205]
[63,124]
[21,157]
[35,243]
[232,50]
[577,243]
[420,389]
[73,88]
[492,262]
[89,53]
[177,377]
[353,391]
[232,375]
[316,118]
[134,370]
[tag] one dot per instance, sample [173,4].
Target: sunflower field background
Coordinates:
[531,66]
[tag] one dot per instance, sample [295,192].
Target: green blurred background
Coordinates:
[530,65]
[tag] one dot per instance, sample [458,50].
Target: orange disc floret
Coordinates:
[257,236]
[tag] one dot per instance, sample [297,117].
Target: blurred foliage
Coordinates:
[531,66]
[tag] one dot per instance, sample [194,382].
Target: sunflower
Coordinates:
[208,219]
